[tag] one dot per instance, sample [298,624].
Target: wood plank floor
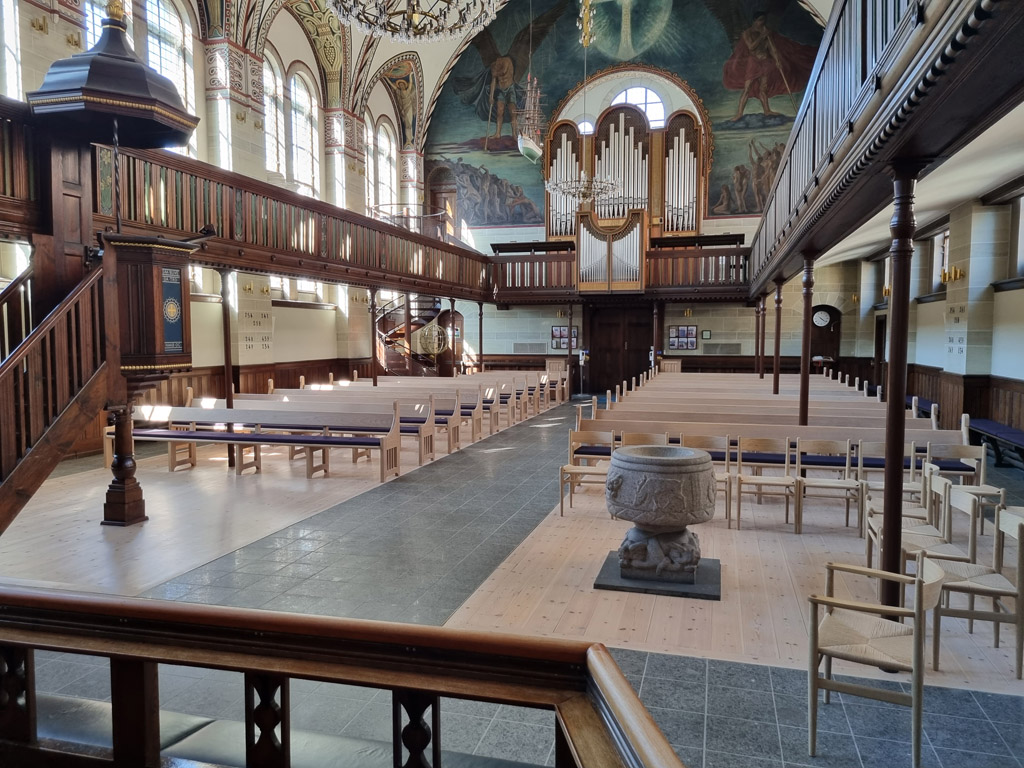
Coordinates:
[544,588]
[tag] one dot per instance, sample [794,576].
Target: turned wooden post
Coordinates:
[229,377]
[480,348]
[778,335]
[423,741]
[902,226]
[408,335]
[451,330]
[805,341]
[762,309]
[124,503]
[373,334]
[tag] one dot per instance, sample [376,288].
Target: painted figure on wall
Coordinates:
[765,64]
[495,89]
[400,81]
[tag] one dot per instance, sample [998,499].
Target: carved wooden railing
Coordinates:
[710,269]
[19,183]
[57,370]
[881,79]
[599,721]
[261,227]
[16,319]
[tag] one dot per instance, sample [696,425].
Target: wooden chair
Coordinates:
[974,459]
[717,447]
[759,453]
[586,446]
[974,580]
[833,456]
[864,633]
[643,438]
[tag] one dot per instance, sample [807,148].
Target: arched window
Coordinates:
[370,163]
[586,127]
[305,138]
[169,46]
[647,100]
[387,167]
[95,13]
[273,119]
[10,63]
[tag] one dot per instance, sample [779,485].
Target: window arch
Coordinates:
[169,52]
[370,163]
[305,124]
[387,169]
[273,118]
[647,100]
[10,63]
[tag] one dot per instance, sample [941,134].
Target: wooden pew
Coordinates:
[318,432]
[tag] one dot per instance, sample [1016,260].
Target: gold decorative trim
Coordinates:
[156,367]
[115,103]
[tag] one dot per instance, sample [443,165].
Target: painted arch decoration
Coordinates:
[747,62]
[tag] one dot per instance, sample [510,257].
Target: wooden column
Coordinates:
[757,337]
[229,378]
[451,331]
[408,335]
[124,504]
[480,347]
[655,338]
[805,338]
[902,226]
[135,710]
[373,334]
[568,357]
[763,307]
[778,335]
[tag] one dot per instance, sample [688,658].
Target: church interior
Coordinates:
[336,335]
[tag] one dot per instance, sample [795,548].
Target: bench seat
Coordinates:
[998,436]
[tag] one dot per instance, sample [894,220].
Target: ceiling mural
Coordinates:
[747,60]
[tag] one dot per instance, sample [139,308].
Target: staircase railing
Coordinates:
[413,363]
[41,379]
[598,720]
[16,321]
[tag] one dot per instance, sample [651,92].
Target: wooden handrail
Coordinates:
[596,709]
[15,313]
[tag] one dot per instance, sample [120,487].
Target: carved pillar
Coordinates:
[229,378]
[220,81]
[373,334]
[805,341]
[267,708]
[480,350]
[334,156]
[354,138]
[757,337]
[778,335]
[763,309]
[124,503]
[655,337]
[902,226]
[411,182]
[451,331]
[568,359]
[408,335]
[17,695]
[416,736]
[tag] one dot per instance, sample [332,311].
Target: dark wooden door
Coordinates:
[620,343]
[825,339]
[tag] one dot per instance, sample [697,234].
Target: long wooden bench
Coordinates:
[317,432]
[997,436]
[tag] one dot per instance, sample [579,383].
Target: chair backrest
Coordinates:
[1011,524]
[972,456]
[928,588]
[579,438]
[805,447]
[872,449]
[775,445]
[710,443]
[644,438]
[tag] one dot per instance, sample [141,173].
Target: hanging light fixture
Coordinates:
[532,121]
[417,21]
[584,188]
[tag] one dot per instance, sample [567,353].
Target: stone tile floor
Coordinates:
[388,555]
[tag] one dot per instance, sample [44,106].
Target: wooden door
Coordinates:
[825,338]
[620,343]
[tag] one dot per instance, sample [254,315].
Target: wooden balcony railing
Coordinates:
[599,721]
[19,190]
[16,319]
[712,270]
[541,271]
[883,89]
[261,227]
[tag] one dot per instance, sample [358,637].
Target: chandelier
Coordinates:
[584,188]
[422,21]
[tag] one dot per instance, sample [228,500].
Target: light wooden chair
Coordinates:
[833,456]
[754,452]
[864,633]
[587,446]
[972,477]
[643,438]
[974,581]
[717,447]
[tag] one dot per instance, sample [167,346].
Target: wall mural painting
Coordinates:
[400,81]
[748,60]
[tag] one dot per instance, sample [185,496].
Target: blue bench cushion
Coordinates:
[593,450]
[998,431]
[256,437]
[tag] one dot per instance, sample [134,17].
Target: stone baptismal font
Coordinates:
[662,490]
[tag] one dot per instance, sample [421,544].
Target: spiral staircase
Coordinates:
[409,340]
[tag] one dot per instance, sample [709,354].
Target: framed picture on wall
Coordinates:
[705,334]
[554,343]
[563,332]
[575,331]
[673,343]
[691,343]
[691,332]
[575,342]
[673,331]
[564,343]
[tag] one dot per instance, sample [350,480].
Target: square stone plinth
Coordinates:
[707,584]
